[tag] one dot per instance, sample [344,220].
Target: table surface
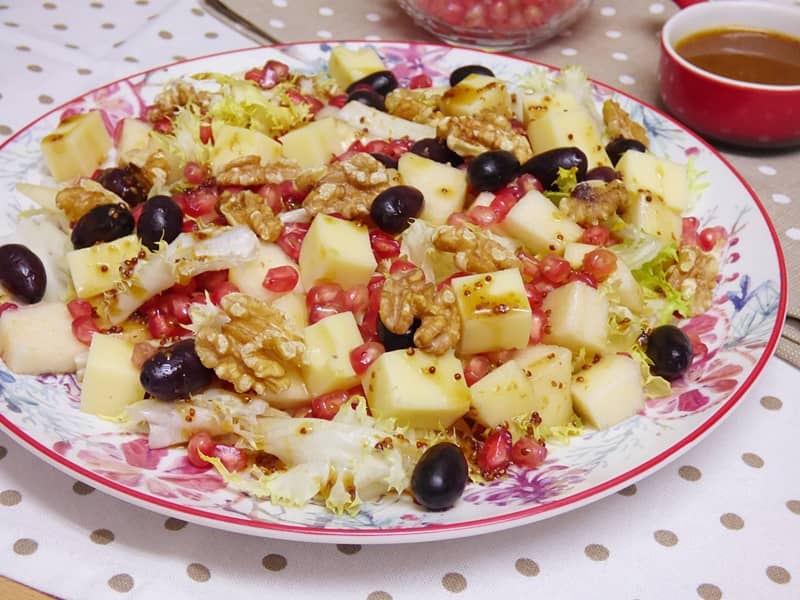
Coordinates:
[723,521]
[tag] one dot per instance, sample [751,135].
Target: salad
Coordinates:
[337,286]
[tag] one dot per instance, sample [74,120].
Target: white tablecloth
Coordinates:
[723,521]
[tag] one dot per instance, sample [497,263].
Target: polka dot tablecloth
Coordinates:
[723,521]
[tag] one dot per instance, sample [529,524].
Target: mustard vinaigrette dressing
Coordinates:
[751,55]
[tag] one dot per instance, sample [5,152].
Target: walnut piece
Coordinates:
[471,135]
[76,201]
[420,106]
[694,275]
[248,171]
[620,125]
[248,343]
[593,202]
[349,187]
[248,208]
[407,296]
[175,96]
[475,251]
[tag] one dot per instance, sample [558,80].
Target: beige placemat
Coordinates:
[615,42]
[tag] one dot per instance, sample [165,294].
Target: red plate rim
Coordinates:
[433,531]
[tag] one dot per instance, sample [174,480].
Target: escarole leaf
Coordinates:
[659,295]
[565,182]
[654,386]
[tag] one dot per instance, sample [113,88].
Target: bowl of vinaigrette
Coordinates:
[730,70]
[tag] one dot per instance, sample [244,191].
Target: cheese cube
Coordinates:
[96,269]
[621,280]
[608,391]
[111,381]
[231,142]
[347,66]
[649,212]
[336,250]
[577,317]
[293,396]
[326,362]
[567,123]
[549,373]
[249,276]
[416,388]
[38,339]
[645,172]
[134,136]
[476,93]
[293,307]
[494,309]
[443,187]
[540,225]
[77,147]
[502,394]
[315,144]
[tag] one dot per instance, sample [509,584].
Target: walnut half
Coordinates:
[694,275]
[471,135]
[247,342]
[475,251]
[248,208]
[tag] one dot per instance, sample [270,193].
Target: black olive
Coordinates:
[381,82]
[161,219]
[104,223]
[367,97]
[462,72]
[128,182]
[393,209]
[175,372]
[436,149]
[616,148]
[606,174]
[385,160]
[440,476]
[22,273]
[670,350]
[397,341]
[490,171]
[545,166]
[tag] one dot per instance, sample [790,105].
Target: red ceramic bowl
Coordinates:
[723,109]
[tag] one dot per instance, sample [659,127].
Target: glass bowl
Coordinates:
[495,24]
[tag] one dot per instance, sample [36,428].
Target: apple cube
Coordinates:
[549,373]
[476,93]
[336,250]
[293,396]
[96,269]
[77,146]
[540,225]
[249,276]
[567,123]
[502,394]
[38,339]
[293,306]
[621,280]
[315,144]
[370,122]
[416,388]
[651,214]
[577,317]
[494,309]
[443,187]
[608,391]
[326,362]
[111,381]
[347,66]
[231,142]
[134,136]
[642,171]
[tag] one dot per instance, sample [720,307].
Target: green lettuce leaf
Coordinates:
[659,295]
[565,182]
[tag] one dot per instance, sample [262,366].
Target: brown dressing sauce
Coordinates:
[752,55]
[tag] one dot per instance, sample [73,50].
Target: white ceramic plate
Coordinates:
[738,333]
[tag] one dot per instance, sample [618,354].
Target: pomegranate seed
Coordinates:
[290,195]
[543,287]
[200,202]
[583,277]
[200,442]
[422,80]
[477,368]
[689,234]
[327,405]
[495,453]
[555,269]
[356,299]
[499,13]
[232,458]
[189,226]
[527,182]
[274,72]
[527,452]
[325,294]
[83,328]
[80,308]
[599,263]
[538,324]
[162,327]
[401,266]
[177,306]
[195,173]
[383,244]
[141,352]
[369,325]
[711,236]
[530,267]
[163,125]
[458,219]
[272,197]
[291,239]
[400,147]
[597,235]
[136,212]
[338,101]
[313,104]
[483,216]
[361,357]
[502,203]
[222,290]
[379,147]
[500,357]
[7,306]
[254,75]
[281,279]
[206,134]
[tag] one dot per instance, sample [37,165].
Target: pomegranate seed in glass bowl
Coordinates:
[495,24]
